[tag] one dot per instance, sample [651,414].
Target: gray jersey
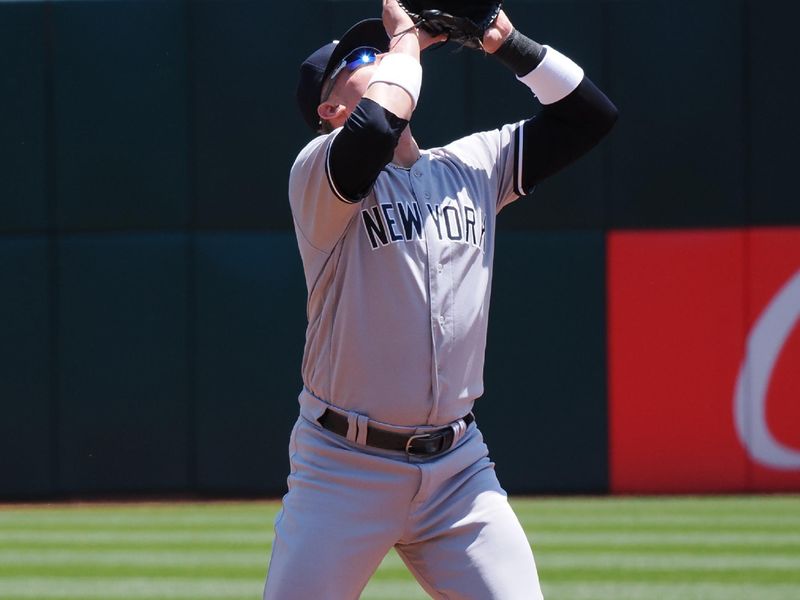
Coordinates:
[399,283]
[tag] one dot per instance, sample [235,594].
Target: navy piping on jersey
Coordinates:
[518,160]
[330,179]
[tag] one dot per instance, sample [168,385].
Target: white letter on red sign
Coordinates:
[764,345]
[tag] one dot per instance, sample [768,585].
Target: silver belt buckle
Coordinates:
[458,428]
[411,439]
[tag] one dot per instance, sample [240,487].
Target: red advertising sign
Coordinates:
[704,360]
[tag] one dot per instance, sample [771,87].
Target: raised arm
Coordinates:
[384,107]
[575,116]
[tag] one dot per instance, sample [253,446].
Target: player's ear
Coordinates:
[329,111]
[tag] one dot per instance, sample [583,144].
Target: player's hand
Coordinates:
[399,24]
[497,33]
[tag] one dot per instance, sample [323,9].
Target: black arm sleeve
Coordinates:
[563,132]
[362,149]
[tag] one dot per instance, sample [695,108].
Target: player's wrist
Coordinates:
[520,53]
[407,41]
[498,33]
[397,37]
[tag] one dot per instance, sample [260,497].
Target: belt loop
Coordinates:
[459,429]
[361,437]
[352,426]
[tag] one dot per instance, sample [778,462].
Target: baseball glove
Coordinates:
[463,21]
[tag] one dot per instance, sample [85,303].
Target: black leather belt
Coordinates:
[426,444]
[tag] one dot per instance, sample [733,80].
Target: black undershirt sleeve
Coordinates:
[563,131]
[363,147]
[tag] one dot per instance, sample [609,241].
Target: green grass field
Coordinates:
[598,548]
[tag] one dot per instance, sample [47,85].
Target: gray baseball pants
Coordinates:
[348,505]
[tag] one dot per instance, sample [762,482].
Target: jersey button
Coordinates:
[441,320]
[427,195]
[418,173]
[440,267]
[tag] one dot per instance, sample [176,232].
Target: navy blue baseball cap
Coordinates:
[316,68]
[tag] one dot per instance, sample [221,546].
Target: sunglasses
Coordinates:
[360,57]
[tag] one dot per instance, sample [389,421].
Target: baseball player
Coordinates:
[397,245]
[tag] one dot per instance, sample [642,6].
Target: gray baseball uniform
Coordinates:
[399,283]
[398,306]
[398,301]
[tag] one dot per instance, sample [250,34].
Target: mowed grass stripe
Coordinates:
[616,538]
[742,527]
[254,560]
[668,549]
[187,546]
[656,561]
[162,519]
[584,525]
[684,505]
[146,538]
[394,590]
[622,574]
[584,548]
[105,572]
[84,524]
[709,523]
[658,520]
[178,509]
[37,519]
[63,588]
[49,557]
[601,590]
[695,523]
[688,538]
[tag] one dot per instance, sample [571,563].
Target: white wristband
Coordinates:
[555,78]
[401,70]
